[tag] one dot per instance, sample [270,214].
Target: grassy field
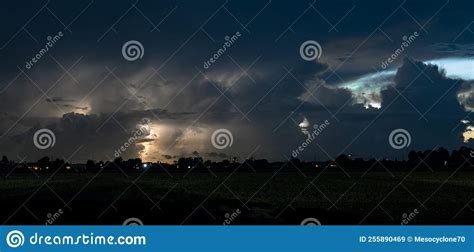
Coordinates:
[240,198]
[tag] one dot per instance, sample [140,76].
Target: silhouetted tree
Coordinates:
[185,163]
[43,162]
[225,163]
[90,164]
[296,162]
[118,161]
[57,164]
[134,163]
[343,160]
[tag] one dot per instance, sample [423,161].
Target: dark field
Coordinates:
[201,197]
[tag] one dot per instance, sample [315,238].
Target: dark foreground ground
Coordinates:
[203,197]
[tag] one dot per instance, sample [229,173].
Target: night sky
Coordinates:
[261,89]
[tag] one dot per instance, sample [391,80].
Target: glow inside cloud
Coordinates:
[366,89]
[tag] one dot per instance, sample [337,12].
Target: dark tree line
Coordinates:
[439,159]
[428,160]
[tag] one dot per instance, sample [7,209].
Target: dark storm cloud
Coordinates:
[216,155]
[59,100]
[169,157]
[65,103]
[466,50]
[260,88]
[92,136]
[426,105]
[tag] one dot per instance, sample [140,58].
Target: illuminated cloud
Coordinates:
[256,89]
[366,89]
[304,125]
[468,134]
